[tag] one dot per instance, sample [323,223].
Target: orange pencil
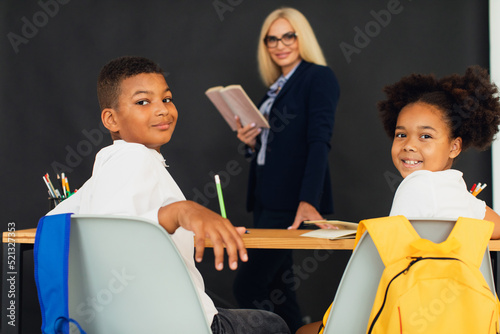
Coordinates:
[479,189]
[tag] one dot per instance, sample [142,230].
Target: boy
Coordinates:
[129,178]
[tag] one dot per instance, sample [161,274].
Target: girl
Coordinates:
[431,122]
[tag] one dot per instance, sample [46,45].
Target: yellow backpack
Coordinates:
[428,287]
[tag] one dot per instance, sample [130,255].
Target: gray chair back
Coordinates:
[126,276]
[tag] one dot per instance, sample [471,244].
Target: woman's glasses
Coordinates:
[287,40]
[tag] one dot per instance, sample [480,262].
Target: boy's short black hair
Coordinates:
[469,102]
[117,70]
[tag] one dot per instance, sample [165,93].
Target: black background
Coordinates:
[49,106]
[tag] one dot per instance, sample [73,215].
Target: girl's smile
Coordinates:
[422,140]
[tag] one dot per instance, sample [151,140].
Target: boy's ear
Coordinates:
[109,119]
[456,147]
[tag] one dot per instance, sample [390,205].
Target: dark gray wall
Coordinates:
[50,58]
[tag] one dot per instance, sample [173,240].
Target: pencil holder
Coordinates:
[53,201]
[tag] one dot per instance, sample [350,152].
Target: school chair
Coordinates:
[126,276]
[357,289]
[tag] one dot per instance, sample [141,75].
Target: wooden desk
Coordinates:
[257,238]
[22,236]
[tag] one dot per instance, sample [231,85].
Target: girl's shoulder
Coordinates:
[426,179]
[452,173]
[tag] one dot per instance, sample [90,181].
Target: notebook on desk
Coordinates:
[343,230]
[331,234]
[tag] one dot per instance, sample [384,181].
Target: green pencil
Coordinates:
[219,193]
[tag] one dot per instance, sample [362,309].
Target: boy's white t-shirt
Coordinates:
[131,179]
[443,194]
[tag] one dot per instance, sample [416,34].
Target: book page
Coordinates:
[241,105]
[214,95]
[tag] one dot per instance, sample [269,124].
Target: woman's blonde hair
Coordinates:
[309,48]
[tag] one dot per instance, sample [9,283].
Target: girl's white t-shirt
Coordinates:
[443,194]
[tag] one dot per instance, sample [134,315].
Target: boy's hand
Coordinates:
[248,133]
[206,224]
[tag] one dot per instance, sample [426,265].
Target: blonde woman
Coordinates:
[289,178]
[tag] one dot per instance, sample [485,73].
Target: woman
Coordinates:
[289,178]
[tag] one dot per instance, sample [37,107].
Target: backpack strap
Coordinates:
[473,235]
[51,251]
[468,239]
[383,232]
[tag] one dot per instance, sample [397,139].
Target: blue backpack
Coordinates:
[51,252]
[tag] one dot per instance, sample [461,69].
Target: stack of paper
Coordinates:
[339,230]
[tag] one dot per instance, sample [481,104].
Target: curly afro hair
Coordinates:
[469,103]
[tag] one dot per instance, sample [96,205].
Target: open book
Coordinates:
[346,230]
[232,100]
